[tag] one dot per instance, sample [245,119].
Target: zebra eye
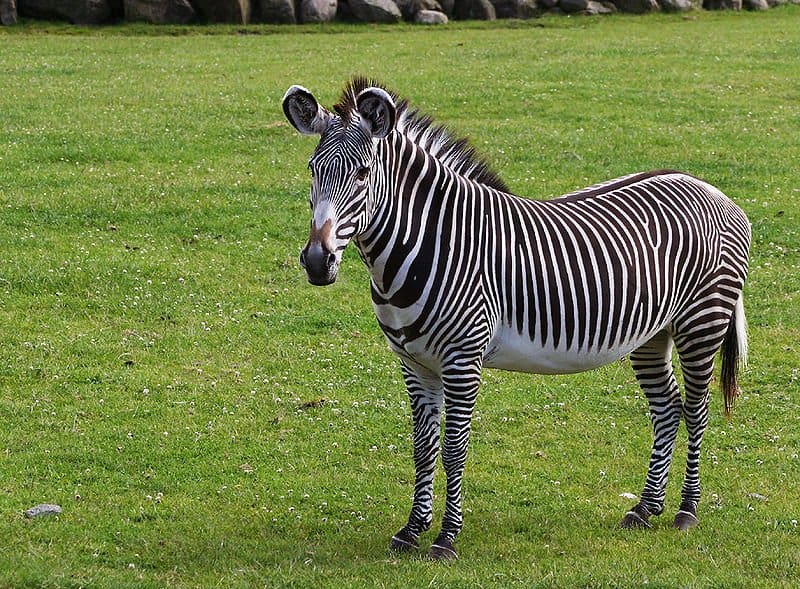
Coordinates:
[362,173]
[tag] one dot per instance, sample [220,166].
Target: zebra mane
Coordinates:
[452,151]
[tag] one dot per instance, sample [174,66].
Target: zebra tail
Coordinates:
[734,355]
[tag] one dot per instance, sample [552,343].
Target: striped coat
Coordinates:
[464,275]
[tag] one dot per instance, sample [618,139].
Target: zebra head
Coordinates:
[341,167]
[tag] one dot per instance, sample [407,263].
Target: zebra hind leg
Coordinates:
[652,364]
[698,338]
[697,365]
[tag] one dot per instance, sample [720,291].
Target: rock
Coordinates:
[517,8]
[408,8]
[280,12]
[528,9]
[8,12]
[573,6]
[226,11]
[476,9]
[675,5]
[447,6]
[317,11]
[425,5]
[722,4]
[547,4]
[43,509]
[383,11]
[78,12]
[430,17]
[594,8]
[755,4]
[483,10]
[636,6]
[159,12]
[505,8]
[344,13]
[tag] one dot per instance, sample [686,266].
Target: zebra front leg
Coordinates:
[425,394]
[461,390]
[652,364]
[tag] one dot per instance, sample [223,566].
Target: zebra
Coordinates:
[464,275]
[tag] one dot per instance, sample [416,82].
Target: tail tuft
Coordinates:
[734,355]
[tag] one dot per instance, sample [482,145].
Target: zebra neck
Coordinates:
[420,206]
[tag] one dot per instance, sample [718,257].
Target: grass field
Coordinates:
[208,419]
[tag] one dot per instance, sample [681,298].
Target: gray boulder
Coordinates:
[317,11]
[78,12]
[8,12]
[409,8]
[227,11]
[505,8]
[636,6]
[722,4]
[475,9]
[426,5]
[430,17]
[279,12]
[594,8]
[447,6]
[343,12]
[517,8]
[755,4]
[159,12]
[675,5]
[379,11]
[573,6]
[528,9]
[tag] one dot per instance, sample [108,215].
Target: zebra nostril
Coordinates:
[303,258]
[331,260]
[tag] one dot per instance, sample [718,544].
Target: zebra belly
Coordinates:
[509,350]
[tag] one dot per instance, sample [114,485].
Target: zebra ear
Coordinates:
[378,111]
[303,111]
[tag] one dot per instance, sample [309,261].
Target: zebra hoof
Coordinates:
[685,520]
[403,541]
[636,519]
[442,550]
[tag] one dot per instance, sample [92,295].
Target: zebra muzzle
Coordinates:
[319,263]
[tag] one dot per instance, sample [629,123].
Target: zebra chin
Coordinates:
[325,280]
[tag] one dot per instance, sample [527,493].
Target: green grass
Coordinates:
[208,419]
